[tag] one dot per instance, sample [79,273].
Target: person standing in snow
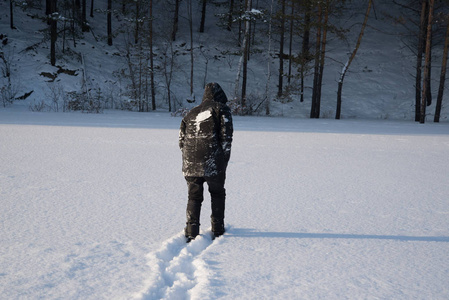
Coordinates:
[205,139]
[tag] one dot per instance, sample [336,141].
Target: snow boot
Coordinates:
[191,231]
[218,229]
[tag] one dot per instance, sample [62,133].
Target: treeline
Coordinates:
[295,34]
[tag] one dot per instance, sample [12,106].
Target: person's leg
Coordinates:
[195,194]
[218,197]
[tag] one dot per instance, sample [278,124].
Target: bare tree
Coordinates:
[53,31]
[322,57]
[11,14]
[290,45]
[314,111]
[305,56]
[153,97]
[267,87]
[203,15]
[137,27]
[443,74]
[175,20]
[231,10]
[246,52]
[84,26]
[109,17]
[168,63]
[425,86]
[348,63]
[421,35]
[190,19]
[243,57]
[281,49]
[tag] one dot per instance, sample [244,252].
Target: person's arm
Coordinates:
[182,134]
[227,131]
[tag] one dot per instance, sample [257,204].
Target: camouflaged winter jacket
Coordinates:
[205,135]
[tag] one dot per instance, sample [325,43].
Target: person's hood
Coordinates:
[213,91]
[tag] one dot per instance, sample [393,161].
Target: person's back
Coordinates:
[205,139]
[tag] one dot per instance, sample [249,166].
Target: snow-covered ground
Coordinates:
[93,207]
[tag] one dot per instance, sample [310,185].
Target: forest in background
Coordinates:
[162,47]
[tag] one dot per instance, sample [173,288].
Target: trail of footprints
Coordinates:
[178,271]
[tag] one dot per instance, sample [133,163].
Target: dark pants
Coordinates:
[196,197]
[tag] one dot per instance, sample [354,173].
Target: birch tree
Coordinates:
[351,58]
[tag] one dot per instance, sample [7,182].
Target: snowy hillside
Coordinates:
[379,85]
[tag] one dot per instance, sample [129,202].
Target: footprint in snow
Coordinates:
[178,270]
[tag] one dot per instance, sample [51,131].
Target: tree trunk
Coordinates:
[140,83]
[429,77]
[245,55]
[322,57]
[422,26]
[48,11]
[242,58]
[137,16]
[316,75]
[422,118]
[109,15]
[153,94]
[175,21]
[346,67]
[11,12]
[443,75]
[240,23]
[92,8]
[203,16]
[305,44]
[290,46]
[281,49]
[268,83]
[189,13]
[231,11]
[84,26]
[72,22]
[53,32]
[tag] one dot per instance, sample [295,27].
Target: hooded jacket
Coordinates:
[205,135]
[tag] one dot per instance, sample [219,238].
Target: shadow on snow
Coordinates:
[253,233]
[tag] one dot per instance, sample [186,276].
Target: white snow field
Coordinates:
[93,207]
